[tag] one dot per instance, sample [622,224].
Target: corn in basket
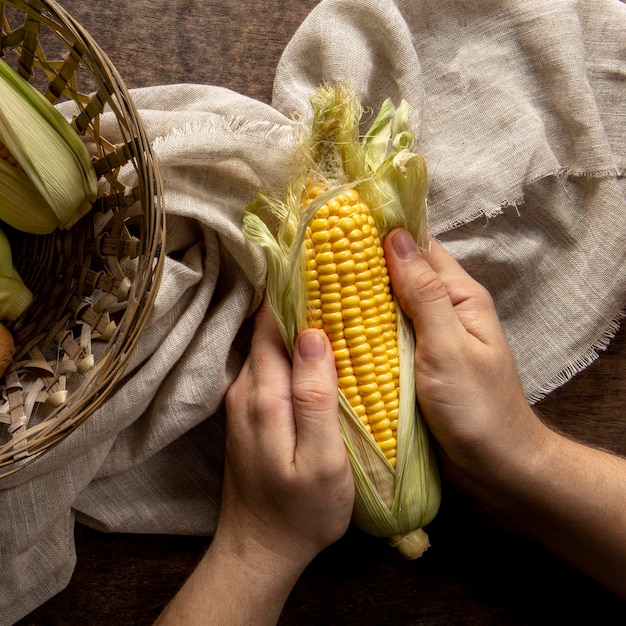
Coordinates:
[94,284]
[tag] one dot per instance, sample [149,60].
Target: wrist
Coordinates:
[264,562]
[236,582]
[505,473]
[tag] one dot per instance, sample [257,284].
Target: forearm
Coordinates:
[571,498]
[232,587]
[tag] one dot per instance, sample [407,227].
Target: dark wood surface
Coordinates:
[480,569]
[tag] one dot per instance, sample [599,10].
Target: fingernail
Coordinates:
[311,346]
[404,245]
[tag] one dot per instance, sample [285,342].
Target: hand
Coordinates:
[288,490]
[287,485]
[567,495]
[466,379]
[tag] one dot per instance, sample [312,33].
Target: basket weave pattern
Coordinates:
[93,285]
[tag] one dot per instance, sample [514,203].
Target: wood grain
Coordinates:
[479,570]
[157,42]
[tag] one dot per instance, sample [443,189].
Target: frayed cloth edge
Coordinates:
[581,363]
[231,125]
[516,203]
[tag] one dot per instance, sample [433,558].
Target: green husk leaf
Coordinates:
[47,148]
[392,179]
[375,141]
[14,295]
[22,206]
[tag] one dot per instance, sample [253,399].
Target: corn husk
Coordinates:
[50,181]
[14,295]
[392,179]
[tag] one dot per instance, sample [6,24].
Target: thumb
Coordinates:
[420,290]
[315,398]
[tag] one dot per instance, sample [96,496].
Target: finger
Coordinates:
[259,401]
[420,289]
[459,284]
[315,399]
[472,302]
[267,343]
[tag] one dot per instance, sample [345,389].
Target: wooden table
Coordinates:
[480,569]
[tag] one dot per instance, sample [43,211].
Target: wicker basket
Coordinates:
[94,285]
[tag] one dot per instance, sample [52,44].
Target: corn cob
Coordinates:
[14,295]
[336,211]
[350,299]
[47,178]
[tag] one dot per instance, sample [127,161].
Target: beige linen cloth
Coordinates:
[519,111]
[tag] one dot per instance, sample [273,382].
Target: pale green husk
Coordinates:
[57,183]
[14,295]
[392,179]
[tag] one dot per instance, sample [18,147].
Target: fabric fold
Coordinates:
[518,110]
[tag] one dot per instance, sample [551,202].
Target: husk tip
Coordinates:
[411,545]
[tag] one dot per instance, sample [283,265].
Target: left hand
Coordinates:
[288,486]
[288,490]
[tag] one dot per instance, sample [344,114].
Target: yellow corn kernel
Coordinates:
[356,309]
[391,177]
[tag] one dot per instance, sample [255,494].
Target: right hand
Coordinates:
[466,378]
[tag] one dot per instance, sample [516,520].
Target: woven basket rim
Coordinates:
[107,293]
